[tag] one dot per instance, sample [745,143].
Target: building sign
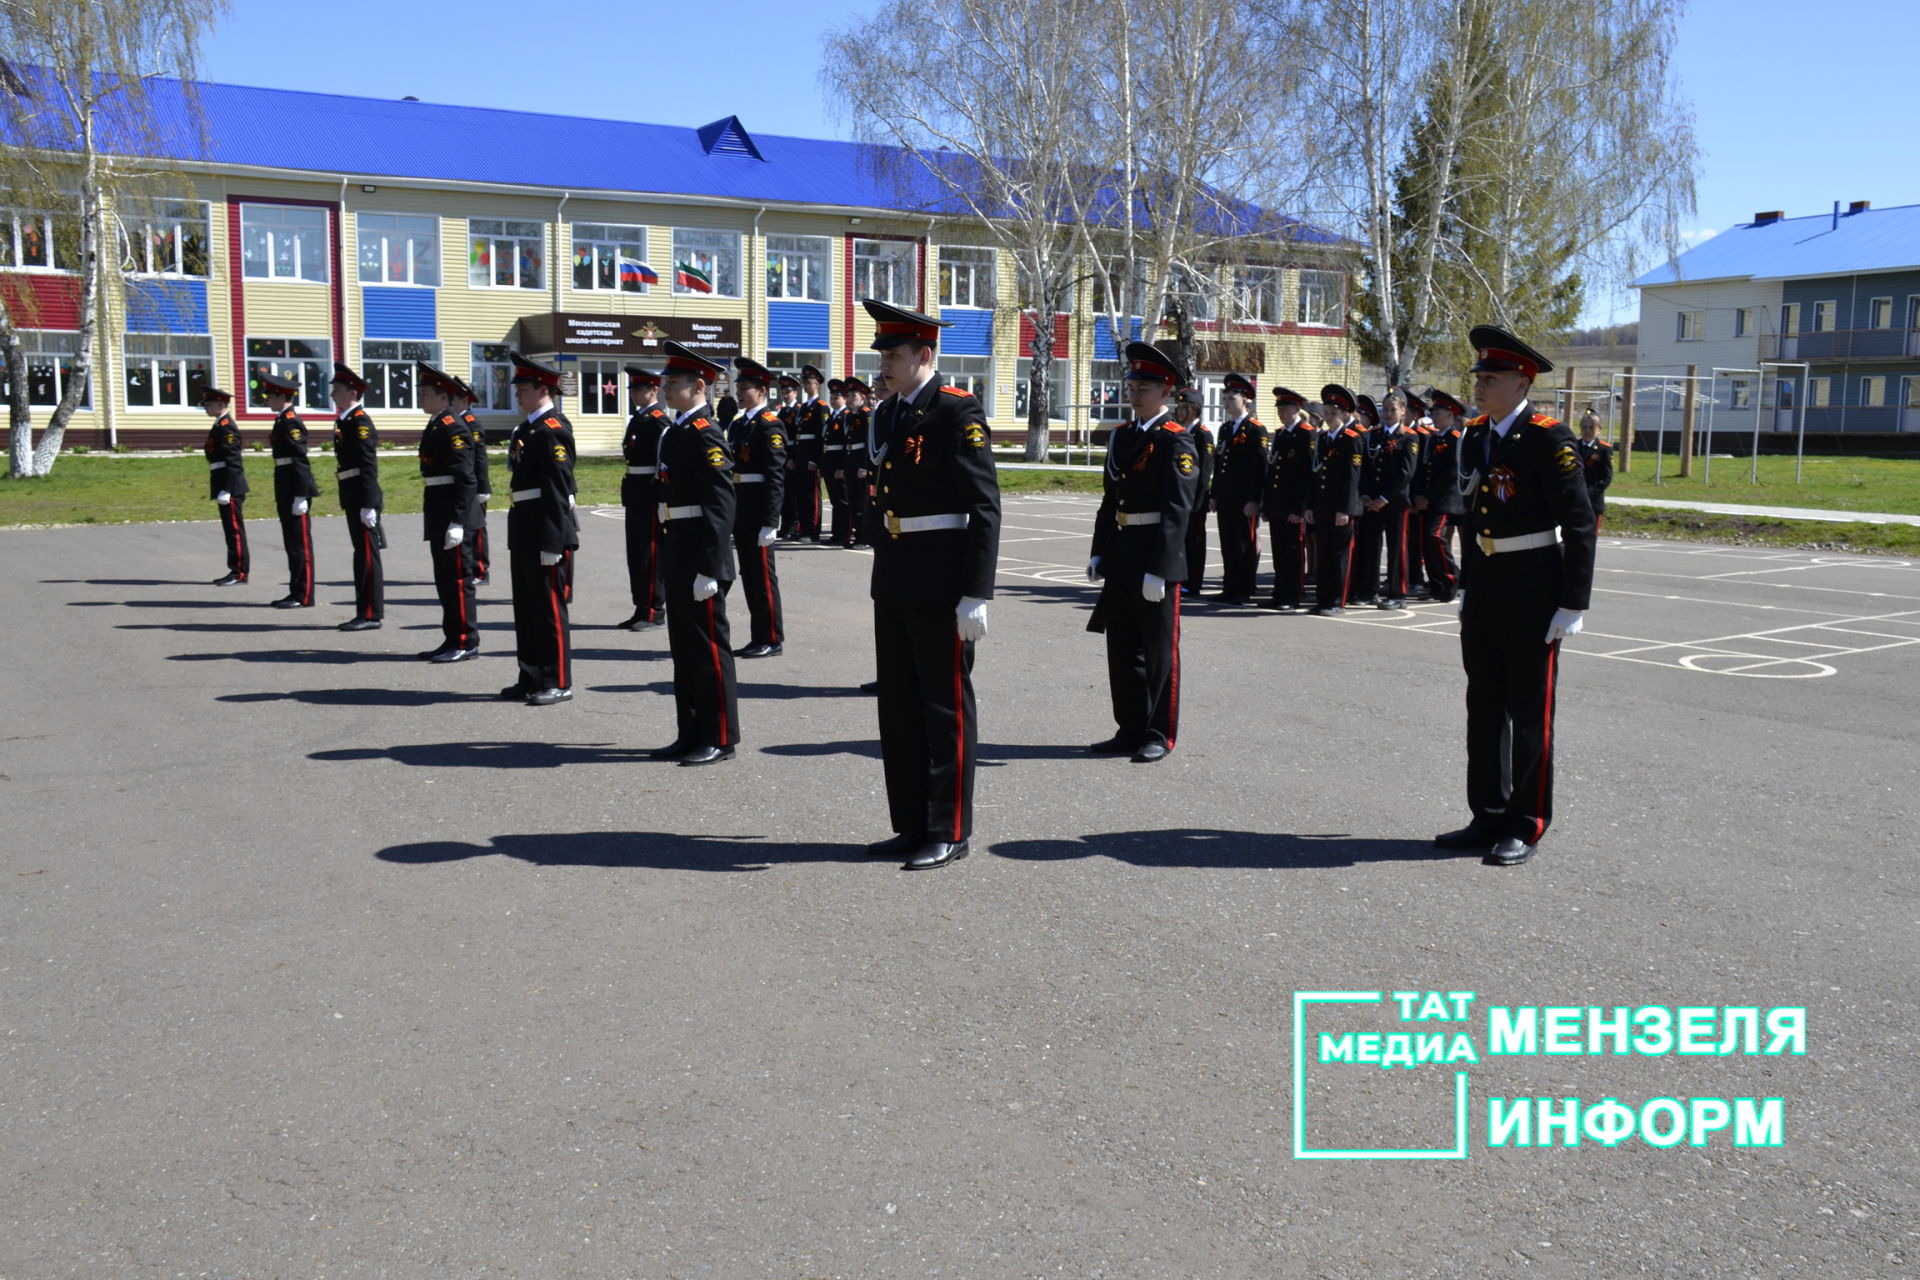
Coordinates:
[614,335]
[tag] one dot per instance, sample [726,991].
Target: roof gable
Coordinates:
[1822,245]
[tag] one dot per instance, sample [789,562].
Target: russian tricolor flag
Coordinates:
[632,272]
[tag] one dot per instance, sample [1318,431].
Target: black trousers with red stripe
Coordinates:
[482,548]
[566,575]
[706,700]
[233,529]
[1239,551]
[1511,673]
[1289,561]
[1385,528]
[369,575]
[838,526]
[1196,552]
[643,559]
[542,634]
[296,534]
[1333,561]
[760,583]
[928,738]
[859,497]
[1143,662]
[1436,549]
[453,582]
[807,509]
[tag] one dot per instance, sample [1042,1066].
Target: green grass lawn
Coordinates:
[1830,484]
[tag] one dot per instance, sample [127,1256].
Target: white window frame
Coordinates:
[290,222]
[603,371]
[382,358]
[799,268]
[1108,277]
[177,218]
[719,248]
[1740,393]
[415,235]
[14,220]
[59,346]
[971,373]
[169,356]
[1873,391]
[1745,321]
[967,277]
[887,270]
[1107,393]
[1689,326]
[491,375]
[1826,316]
[608,242]
[1059,390]
[314,373]
[1880,313]
[1258,293]
[1789,319]
[1315,299]
[524,235]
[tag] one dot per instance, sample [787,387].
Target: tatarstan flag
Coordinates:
[688,276]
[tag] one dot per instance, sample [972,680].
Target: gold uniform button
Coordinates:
[1483,511]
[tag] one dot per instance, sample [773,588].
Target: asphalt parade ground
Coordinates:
[321,961]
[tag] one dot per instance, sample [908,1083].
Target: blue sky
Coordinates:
[1797,104]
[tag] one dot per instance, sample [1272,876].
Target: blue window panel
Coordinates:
[797,326]
[400,313]
[167,306]
[1103,348]
[970,334]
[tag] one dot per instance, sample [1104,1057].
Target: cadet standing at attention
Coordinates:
[1188,405]
[447,503]
[1440,503]
[540,528]
[1240,473]
[480,561]
[1336,506]
[759,443]
[356,454]
[639,489]
[293,490]
[1596,463]
[1288,493]
[227,483]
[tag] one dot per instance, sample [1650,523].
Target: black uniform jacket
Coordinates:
[1240,464]
[933,457]
[482,473]
[446,450]
[858,421]
[696,470]
[1203,466]
[1596,460]
[1149,471]
[809,426]
[1290,472]
[759,442]
[1391,459]
[1529,482]
[1338,459]
[356,444]
[1440,476]
[641,448]
[540,474]
[292,478]
[226,465]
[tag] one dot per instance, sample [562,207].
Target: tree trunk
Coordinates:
[19,410]
[1040,393]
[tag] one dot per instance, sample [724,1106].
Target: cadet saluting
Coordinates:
[1526,572]
[227,483]
[759,443]
[1139,546]
[447,467]
[540,527]
[293,490]
[936,532]
[356,452]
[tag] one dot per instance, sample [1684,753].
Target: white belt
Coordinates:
[430,481]
[525,495]
[753,477]
[1519,542]
[897,525]
[216,466]
[278,462]
[834,448]
[680,513]
[348,474]
[804,439]
[1127,519]
[643,471]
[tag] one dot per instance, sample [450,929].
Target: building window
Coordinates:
[283,242]
[797,267]
[308,361]
[1690,326]
[503,254]
[706,262]
[38,241]
[167,238]
[600,386]
[1059,392]
[887,270]
[1818,390]
[1880,313]
[399,248]
[1742,393]
[1256,294]
[388,369]
[1108,392]
[610,257]
[492,375]
[1746,321]
[1910,393]
[1114,295]
[166,370]
[1198,290]
[1789,319]
[1823,316]
[966,277]
[1873,392]
[972,373]
[1323,300]
[50,356]
[1027,299]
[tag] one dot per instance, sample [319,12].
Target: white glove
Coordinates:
[1154,588]
[1566,622]
[455,536]
[299,506]
[970,618]
[484,498]
[549,558]
[1093,569]
[767,536]
[369,517]
[223,497]
[569,502]
[704,588]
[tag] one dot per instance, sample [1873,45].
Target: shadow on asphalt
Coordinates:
[224,626]
[1199,847]
[361,697]
[656,850]
[989,753]
[126,582]
[481,755]
[332,657]
[773,692]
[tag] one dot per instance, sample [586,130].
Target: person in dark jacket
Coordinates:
[447,503]
[1288,494]
[356,457]
[1239,477]
[759,442]
[1339,452]
[293,490]
[541,528]
[1188,405]
[227,483]
[639,489]
[480,561]
[1440,503]
[1596,464]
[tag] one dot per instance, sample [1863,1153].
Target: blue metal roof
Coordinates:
[1822,245]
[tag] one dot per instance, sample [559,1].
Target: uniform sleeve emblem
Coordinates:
[1184,464]
[459,441]
[1356,459]
[1567,460]
[777,441]
[559,453]
[976,435]
[716,457]
[1413,447]
[294,435]
[366,430]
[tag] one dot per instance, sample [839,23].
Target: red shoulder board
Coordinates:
[956,391]
[1351,431]
[552,424]
[1254,422]
[1542,420]
[1174,427]
[1480,421]
[700,424]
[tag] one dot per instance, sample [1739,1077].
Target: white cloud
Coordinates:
[1698,235]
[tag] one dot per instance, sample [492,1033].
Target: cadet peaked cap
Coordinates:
[1439,399]
[1337,396]
[1241,383]
[641,374]
[684,359]
[525,370]
[808,371]
[1415,405]
[445,383]
[894,325]
[280,386]
[215,393]
[1367,409]
[751,371]
[1501,352]
[854,384]
[1287,395]
[342,374]
[1147,363]
[1191,397]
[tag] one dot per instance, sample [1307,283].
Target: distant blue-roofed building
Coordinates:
[1807,322]
[322,227]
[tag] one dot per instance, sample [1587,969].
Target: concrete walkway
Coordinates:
[1768,513]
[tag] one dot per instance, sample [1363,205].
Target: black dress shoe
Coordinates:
[1395,603]
[515,692]
[361,624]
[1330,611]
[1467,837]
[759,651]
[228,581]
[1151,753]
[1509,852]
[631,624]
[549,697]
[1114,746]
[454,655]
[871,686]
[288,602]
[898,847]
[706,755]
[431,654]
[936,854]
[672,751]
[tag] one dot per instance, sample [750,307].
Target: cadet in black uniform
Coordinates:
[540,528]
[1188,405]
[1240,473]
[809,435]
[697,509]
[759,444]
[1422,429]
[936,523]
[480,554]
[356,444]
[1338,454]
[447,503]
[1140,545]
[788,411]
[1596,464]
[859,461]
[1526,574]
[1392,455]
[1287,496]
[1439,503]
[293,489]
[227,483]
[639,498]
